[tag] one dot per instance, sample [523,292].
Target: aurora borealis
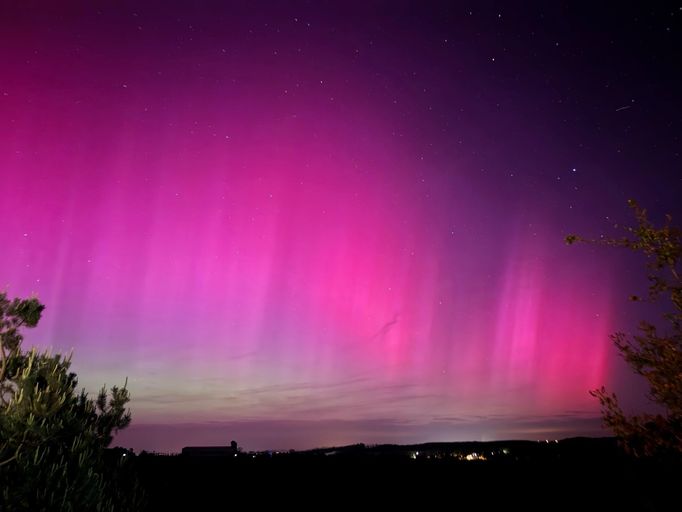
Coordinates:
[311,223]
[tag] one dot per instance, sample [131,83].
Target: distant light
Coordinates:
[125,454]
[475,456]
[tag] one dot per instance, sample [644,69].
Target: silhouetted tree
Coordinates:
[655,355]
[52,438]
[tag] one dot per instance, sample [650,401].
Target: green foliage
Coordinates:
[52,438]
[652,354]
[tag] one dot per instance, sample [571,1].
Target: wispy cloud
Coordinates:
[259,434]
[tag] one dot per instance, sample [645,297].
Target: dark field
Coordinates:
[577,474]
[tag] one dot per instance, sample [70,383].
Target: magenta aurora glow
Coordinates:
[321,225]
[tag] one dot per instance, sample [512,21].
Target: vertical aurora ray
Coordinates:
[276,224]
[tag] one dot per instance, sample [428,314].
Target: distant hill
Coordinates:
[568,474]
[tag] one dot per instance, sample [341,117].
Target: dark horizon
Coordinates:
[288,435]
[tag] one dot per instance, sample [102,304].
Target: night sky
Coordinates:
[315,223]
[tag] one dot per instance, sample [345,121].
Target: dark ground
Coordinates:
[582,474]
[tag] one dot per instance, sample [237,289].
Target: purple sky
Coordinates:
[317,224]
